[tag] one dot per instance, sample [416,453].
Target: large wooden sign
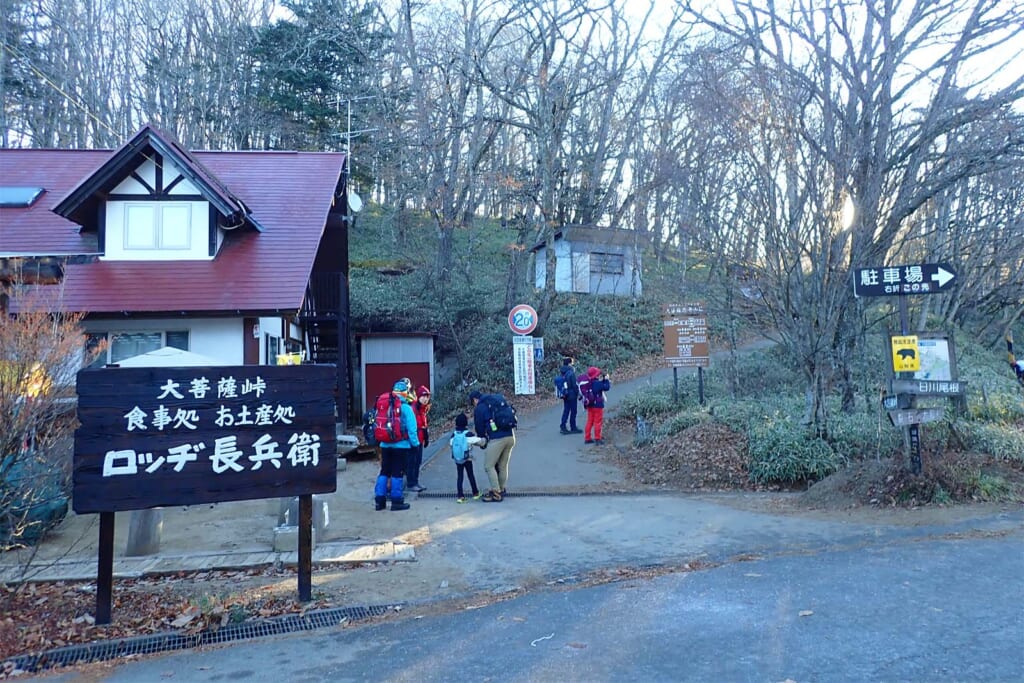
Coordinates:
[152,437]
[686,336]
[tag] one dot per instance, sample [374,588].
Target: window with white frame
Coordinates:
[608,264]
[157,225]
[123,345]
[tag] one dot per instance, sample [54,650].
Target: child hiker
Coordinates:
[462,442]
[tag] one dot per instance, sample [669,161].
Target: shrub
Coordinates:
[1001,407]
[40,353]
[651,403]
[764,372]
[860,435]
[678,422]
[1003,442]
[781,452]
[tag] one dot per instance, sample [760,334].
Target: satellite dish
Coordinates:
[355,204]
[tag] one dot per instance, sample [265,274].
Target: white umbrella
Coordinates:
[168,357]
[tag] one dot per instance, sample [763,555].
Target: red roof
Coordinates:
[288,193]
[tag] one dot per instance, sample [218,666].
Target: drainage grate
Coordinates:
[551,494]
[165,642]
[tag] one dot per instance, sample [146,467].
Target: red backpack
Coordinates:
[387,423]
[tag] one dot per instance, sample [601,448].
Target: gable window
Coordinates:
[127,344]
[609,264]
[157,225]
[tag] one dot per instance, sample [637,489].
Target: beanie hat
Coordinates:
[461,422]
[593,372]
[476,393]
[403,389]
[423,391]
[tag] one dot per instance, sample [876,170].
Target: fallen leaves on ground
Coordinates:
[43,616]
[708,457]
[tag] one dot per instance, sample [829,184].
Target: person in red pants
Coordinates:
[592,389]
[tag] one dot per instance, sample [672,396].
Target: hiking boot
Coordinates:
[574,430]
[588,441]
[491,497]
[380,503]
[399,504]
[598,442]
[563,430]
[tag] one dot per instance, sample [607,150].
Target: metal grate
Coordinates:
[550,494]
[165,642]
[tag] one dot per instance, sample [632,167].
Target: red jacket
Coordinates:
[421,418]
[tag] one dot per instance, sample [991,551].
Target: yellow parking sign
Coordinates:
[905,355]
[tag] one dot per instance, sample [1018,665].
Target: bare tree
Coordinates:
[855,100]
[575,79]
[40,353]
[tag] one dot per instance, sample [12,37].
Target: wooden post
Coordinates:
[105,568]
[675,385]
[305,547]
[700,384]
[913,432]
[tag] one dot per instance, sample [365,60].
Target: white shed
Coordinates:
[593,261]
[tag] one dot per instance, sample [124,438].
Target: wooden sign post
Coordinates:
[686,343]
[903,280]
[154,437]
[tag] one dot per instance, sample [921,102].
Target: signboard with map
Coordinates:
[937,360]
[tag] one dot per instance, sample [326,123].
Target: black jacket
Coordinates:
[482,418]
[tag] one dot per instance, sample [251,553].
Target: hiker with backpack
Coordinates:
[395,430]
[462,442]
[495,419]
[592,385]
[568,390]
[421,406]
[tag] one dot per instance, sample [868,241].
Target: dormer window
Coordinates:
[157,225]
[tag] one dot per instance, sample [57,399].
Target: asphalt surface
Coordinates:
[776,596]
[932,610]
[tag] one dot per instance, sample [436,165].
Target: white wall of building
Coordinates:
[218,338]
[188,222]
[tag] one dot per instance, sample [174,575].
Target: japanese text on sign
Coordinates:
[304,448]
[523,365]
[896,280]
[686,336]
[173,436]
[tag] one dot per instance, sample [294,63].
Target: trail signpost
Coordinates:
[921,278]
[922,365]
[686,342]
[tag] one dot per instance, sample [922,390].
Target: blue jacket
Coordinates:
[572,390]
[409,427]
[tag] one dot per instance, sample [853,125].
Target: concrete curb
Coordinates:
[329,552]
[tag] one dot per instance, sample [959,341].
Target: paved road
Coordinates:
[891,600]
[934,610]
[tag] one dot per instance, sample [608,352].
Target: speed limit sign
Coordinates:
[522,319]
